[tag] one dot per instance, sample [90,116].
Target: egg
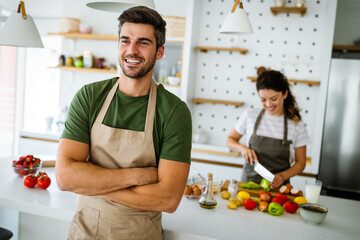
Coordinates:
[197,191]
[194,186]
[187,190]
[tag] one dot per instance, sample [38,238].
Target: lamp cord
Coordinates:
[21,9]
[235,5]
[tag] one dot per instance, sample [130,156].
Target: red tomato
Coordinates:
[290,207]
[30,181]
[43,182]
[249,204]
[282,196]
[277,200]
[41,174]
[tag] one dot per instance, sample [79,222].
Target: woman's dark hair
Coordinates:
[145,15]
[275,80]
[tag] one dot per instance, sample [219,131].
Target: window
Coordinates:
[7,99]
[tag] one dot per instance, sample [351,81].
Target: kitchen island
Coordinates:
[45,214]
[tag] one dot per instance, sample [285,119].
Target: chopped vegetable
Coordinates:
[275,209]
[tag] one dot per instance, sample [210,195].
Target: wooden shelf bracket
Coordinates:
[308,82]
[205,49]
[203,100]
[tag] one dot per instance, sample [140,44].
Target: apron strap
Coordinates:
[258,119]
[150,113]
[106,104]
[285,141]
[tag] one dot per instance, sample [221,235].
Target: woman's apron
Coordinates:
[97,217]
[272,153]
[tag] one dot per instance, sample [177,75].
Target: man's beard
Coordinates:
[142,71]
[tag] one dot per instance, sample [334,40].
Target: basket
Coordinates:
[175,26]
[69,25]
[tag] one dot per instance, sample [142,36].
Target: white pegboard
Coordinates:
[286,42]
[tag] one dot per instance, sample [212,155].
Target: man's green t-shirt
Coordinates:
[172,123]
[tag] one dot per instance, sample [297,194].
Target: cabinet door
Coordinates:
[34,146]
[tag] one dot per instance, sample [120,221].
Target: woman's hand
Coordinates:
[249,154]
[232,142]
[277,182]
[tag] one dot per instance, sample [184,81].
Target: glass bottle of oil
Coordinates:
[207,199]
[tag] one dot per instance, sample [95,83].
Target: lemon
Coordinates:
[243,194]
[300,200]
[235,200]
[232,205]
[225,194]
[241,201]
[256,199]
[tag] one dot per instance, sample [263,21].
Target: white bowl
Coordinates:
[313,213]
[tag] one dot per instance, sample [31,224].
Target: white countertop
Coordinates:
[342,222]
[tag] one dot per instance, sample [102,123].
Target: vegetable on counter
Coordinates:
[30,181]
[263,206]
[43,182]
[249,204]
[300,200]
[275,209]
[243,194]
[291,207]
[265,196]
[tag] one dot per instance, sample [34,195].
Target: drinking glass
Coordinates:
[312,190]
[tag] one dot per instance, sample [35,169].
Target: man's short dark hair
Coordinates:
[145,15]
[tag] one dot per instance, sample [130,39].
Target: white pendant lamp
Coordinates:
[19,30]
[119,6]
[236,21]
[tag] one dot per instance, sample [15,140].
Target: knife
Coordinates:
[262,171]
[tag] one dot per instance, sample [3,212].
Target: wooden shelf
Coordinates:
[169,85]
[227,154]
[203,100]
[205,49]
[87,36]
[310,83]
[276,10]
[75,69]
[347,48]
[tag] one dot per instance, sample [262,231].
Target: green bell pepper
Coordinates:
[265,185]
[275,209]
[250,185]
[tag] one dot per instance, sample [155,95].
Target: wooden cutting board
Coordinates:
[47,160]
[255,192]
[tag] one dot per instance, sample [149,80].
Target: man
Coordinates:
[126,145]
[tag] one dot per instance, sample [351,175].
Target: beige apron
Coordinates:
[97,217]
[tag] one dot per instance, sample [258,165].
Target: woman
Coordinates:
[276,136]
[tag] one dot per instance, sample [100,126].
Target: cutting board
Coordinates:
[255,192]
[47,160]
